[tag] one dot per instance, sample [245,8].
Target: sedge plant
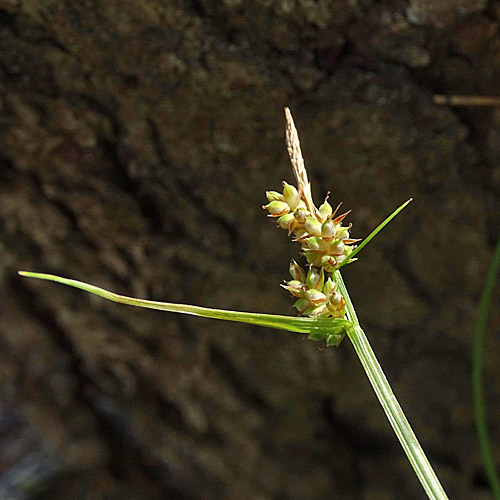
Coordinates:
[326,312]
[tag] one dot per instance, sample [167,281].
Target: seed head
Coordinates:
[325,242]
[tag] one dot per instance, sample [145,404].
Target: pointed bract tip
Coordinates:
[406,203]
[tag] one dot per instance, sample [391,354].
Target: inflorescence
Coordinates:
[326,243]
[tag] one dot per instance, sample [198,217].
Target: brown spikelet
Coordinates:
[297,160]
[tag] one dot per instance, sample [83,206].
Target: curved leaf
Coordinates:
[330,329]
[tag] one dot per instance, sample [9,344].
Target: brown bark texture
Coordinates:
[137,140]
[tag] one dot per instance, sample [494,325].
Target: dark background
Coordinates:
[137,140]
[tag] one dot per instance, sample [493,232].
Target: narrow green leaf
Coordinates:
[316,328]
[374,233]
[477,374]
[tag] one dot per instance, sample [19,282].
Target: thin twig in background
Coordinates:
[466,100]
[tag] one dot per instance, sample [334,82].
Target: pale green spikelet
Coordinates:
[325,210]
[291,195]
[276,208]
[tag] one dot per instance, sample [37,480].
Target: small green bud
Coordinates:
[277,208]
[302,305]
[315,297]
[325,209]
[291,195]
[314,244]
[313,258]
[343,233]
[319,311]
[315,278]
[328,229]
[301,214]
[274,196]
[302,204]
[296,288]
[296,272]
[286,221]
[335,300]
[329,263]
[313,226]
[336,305]
[334,339]
[329,286]
[336,248]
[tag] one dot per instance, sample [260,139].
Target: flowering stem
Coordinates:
[390,405]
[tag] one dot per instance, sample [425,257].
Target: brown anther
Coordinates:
[340,218]
[335,211]
[351,241]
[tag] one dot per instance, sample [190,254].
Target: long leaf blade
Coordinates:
[316,328]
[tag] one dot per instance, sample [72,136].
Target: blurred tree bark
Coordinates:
[137,140]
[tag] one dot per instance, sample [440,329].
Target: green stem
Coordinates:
[390,405]
[477,374]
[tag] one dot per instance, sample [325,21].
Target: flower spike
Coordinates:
[326,244]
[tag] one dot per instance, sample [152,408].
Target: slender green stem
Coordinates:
[387,399]
[477,374]
[349,306]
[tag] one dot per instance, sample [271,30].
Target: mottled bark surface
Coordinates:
[137,140]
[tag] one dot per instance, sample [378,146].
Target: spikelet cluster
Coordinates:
[316,296]
[326,243]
